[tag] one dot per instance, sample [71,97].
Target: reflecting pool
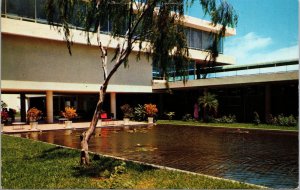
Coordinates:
[262,158]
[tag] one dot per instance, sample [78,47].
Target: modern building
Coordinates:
[266,88]
[36,64]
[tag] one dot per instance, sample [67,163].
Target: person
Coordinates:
[196,111]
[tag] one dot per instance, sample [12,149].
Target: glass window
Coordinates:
[22,8]
[104,26]
[195,39]
[3,5]
[79,11]
[187,35]
[40,10]
[206,40]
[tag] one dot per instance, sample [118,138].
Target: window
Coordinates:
[206,40]
[195,39]
[23,8]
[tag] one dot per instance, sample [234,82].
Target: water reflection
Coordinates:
[266,158]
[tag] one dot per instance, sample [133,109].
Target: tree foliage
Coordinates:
[209,101]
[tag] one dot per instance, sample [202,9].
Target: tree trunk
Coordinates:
[86,135]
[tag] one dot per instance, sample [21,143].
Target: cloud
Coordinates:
[286,53]
[252,48]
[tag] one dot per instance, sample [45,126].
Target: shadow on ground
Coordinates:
[57,152]
[104,167]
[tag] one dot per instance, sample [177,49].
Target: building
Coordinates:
[36,64]
[266,88]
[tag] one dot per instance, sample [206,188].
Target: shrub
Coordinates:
[69,113]
[170,115]
[150,109]
[127,111]
[281,120]
[33,114]
[285,121]
[187,117]
[292,121]
[270,119]
[139,113]
[4,116]
[256,118]
[226,119]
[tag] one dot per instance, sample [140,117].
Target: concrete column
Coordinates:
[267,101]
[23,107]
[49,106]
[113,104]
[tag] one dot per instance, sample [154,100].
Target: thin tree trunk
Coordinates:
[85,136]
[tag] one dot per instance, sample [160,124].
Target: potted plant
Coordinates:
[127,112]
[4,118]
[33,114]
[69,114]
[151,111]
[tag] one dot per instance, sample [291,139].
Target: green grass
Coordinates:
[229,125]
[28,164]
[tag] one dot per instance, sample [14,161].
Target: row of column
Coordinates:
[49,106]
[113,107]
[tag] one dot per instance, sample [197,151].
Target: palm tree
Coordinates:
[208,101]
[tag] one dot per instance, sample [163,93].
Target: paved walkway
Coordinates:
[59,126]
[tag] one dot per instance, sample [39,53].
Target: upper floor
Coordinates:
[28,18]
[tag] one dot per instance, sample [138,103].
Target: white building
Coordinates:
[36,64]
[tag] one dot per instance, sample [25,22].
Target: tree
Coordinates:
[208,101]
[154,27]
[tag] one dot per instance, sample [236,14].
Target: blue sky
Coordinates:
[267,30]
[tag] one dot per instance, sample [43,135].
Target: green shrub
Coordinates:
[170,115]
[139,113]
[187,117]
[281,120]
[127,111]
[226,119]
[256,120]
[292,121]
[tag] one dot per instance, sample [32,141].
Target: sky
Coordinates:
[267,30]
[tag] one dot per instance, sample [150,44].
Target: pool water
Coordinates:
[263,158]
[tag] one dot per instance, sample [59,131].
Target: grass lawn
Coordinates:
[229,125]
[28,164]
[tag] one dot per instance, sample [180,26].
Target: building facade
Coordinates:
[36,64]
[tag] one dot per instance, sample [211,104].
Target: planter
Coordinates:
[126,121]
[68,124]
[33,125]
[150,119]
[68,132]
